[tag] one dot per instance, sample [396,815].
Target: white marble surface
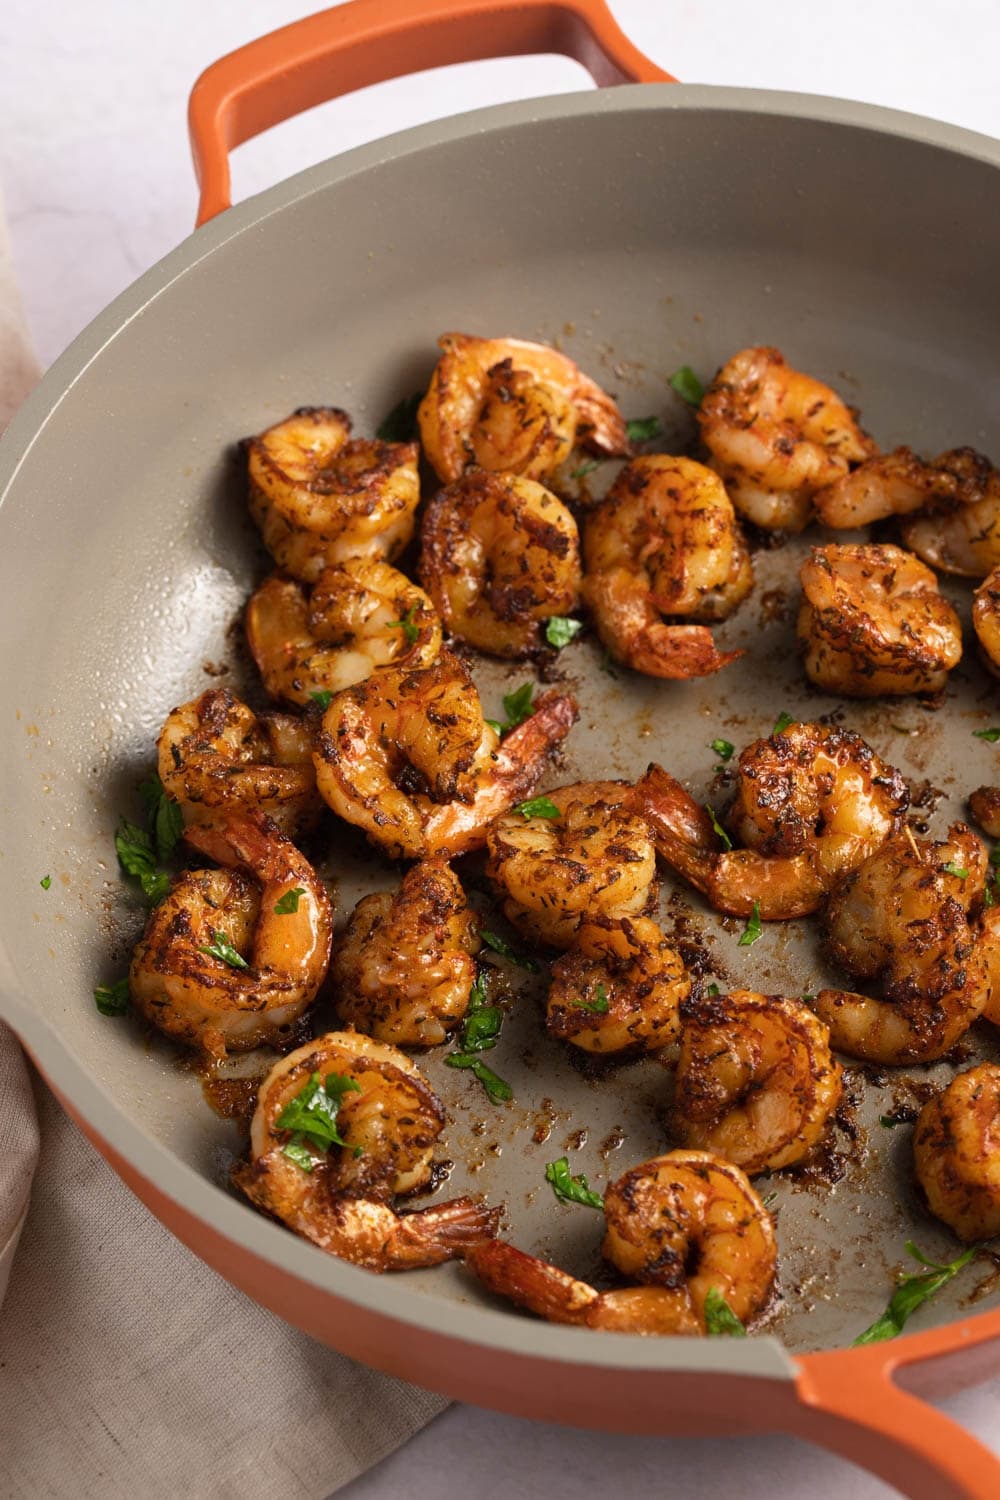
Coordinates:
[94,166]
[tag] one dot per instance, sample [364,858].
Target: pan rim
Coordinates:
[469,1324]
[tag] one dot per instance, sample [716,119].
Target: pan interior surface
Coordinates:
[641,231]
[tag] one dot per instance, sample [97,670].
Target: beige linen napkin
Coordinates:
[127,1367]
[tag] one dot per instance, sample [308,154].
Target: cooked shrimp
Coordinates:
[986,620]
[903,918]
[408,757]
[403,969]
[984,805]
[987,932]
[962,532]
[232,957]
[872,623]
[777,436]
[811,803]
[596,859]
[755,1082]
[337,1195]
[216,757]
[618,989]
[665,542]
[500,556]
[956,1151]
[682,1225]
[358,617]
[320,496]
[504,404]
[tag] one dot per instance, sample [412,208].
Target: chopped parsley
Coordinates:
[713,990]
[323,697]
[958,870]
[570,1189]
[584,469]
[498,1090]
[720,1320]
[599,1005]
[163,815]
[753,929]
[643,429]
[400,426]
[538,807]
[912,1290]
[45,882]
[990,735]
[891,1121]
[722,748]
[312,1117]
[406,625]
[516,707]
[481,1027]
[687,385]
[727,842]
[288,904]
[221,948]
[500,945]
[561,629]
[137,858]
[782,723]
[112,999]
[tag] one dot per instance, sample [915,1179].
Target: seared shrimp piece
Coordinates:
[512,406]
[500,556]
[962,532]
[956,1151]
[811,803]
[337,1192]
[986,620]
[984,805]
[618,989]
[681,1225]
[320,496]
[903,918]
[777,436]
[215,756]
[357,618]
[755,1082]
[596,859]
[665,542]
[232,957]
[987,934]
[404,967]
[408,757]
[873,623]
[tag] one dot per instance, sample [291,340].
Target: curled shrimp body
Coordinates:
[596,859]
[404,967]
[811,804]
[390,1120]
[681,1226]
[215,756]
[903,918]
[665,542]
[961,534]
[755,1082]
[872,623]
[618,989]
[512,406]
[956,1151]
[408,757]
[986,620]
[984,805]
[500,556]
[777,436]
[224,1004]
[357,618]
[320,496]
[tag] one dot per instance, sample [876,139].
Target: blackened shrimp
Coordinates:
[756,1083]
[776,437]
[986,620]
[682,1226]
[904,919]
[590,858]
[508,405]
[873,623]
[409,758]
[500,557]
[811,804]
[232,957]
[216,757]
[357,617]
[956,1151]
[618,989]
[404,967]
[344,1125]
[665,546]
[320,496]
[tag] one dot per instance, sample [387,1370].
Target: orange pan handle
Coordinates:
[368,41]
[852,1405]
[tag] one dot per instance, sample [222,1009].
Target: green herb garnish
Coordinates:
[607,664]
[891,1121]
[643,429]
[713,990]
[498,1090]
[952,869]
[516,706]
[481,1027]
[166,823]
[134,848]
[990,735]
[720,1320]
[221,948]
[584,469]
[570,1189]
[112,999]
[400,426]
[599,1005]
[727,842]
[722,748]
[912,1290]
[406,625]
[782,723]
[538,807]
[500,945]
[323,697]
[312,1117]
[45,882]
[753,929]
[561,629]
[687,385]
[288,904]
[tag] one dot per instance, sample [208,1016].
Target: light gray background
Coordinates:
[94,166]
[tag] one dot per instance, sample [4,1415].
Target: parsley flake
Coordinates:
[599,1005]
[720,1320]
[687,385]
[912,1290]
[498,1090]
[134,848]
[584,469]
[958,870]
[721,833]
[45,882]
[782,723]
[570,1189]
[753,929]
[406,625]
[221,948]
[561,629]
[713,990]
[990,735]
[112,999]
[400,426]
[500,945]
[288,904]
[517,707]
[722,748]
[538,807]
[323,697]
[163,815]
[643,429]
[311,1116]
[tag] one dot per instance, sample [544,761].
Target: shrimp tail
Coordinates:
[682,829]
[678,652]
[449,1230]
[531,1283]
